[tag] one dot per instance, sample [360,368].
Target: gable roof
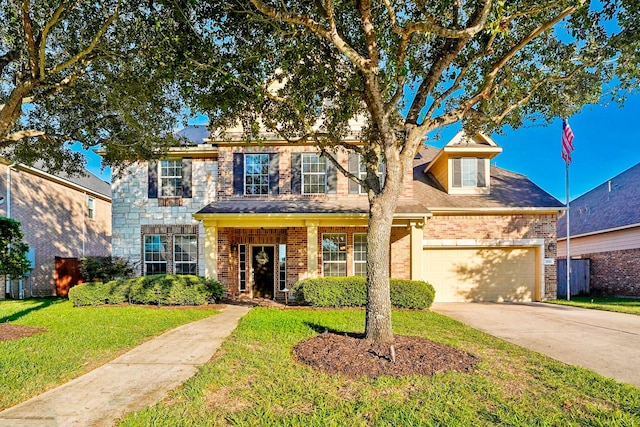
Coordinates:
[613,204]
[195,134]
[509,190]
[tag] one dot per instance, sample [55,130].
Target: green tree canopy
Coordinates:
[305,69]
[13,251]
[97,72]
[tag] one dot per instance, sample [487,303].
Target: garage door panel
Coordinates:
[481,274]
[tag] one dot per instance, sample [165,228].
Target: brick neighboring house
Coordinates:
[60,216]
[261,216]
[605,228]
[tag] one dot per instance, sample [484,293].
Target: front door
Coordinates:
[262,261]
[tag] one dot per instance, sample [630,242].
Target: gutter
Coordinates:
[607,230]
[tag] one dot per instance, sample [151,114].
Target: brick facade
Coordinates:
[615,273]
[55,221]
[496,227]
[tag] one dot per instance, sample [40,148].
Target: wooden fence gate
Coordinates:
[579,280]
[67,275]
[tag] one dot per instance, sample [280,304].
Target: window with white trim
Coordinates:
[359,254]
[314,174]
[155,254]
[282,267]
[185,254]
[256,174]
[170,178]
[362,173]
[242,267]
[469,172]
[334,254]
[91,208]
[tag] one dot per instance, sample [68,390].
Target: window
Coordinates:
[362,173]
[155,254]
[242,267]
[256,174]
[359,254]
[469,172]
[334,254]
[314,174]
[185,254]
[171,178]
[91,210]
[282,267]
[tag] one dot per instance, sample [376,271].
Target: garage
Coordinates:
[482,273]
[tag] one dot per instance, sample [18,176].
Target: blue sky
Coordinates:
[607,142]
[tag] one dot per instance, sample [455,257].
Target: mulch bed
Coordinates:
[354,356]
[9,331]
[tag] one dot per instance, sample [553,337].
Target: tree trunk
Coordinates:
[381,209]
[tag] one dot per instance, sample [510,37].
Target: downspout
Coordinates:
[84,222]
[7,282]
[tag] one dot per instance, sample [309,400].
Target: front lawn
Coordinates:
[253,380]
[75,341]
[620,305]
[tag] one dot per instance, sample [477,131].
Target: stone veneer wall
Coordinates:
[132,208]
[543,226]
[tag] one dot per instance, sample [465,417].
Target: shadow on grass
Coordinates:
[321,329]
[40,304]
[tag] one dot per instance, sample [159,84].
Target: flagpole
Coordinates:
[568,240]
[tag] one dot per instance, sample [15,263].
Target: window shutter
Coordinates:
[354,168]
[332,176]
[481,174]
[457,172]
[238,173]
[274,173]
[153,179]
[296,173]
[186,177]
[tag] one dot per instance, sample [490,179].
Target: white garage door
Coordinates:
[481,274]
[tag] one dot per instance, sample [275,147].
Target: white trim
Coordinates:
[505,210]
[606,230]
[323,174]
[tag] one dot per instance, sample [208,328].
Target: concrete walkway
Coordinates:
[605,342]
[133,381]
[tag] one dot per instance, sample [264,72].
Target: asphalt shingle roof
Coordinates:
[614,203]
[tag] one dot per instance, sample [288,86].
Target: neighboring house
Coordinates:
[605,228]
[60,216]
[261,216]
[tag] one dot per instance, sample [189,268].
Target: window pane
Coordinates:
[334,254]
[171,178]
[256,177]
[469,172]
[185,253]
[155,252]
[360,254]
[313,174]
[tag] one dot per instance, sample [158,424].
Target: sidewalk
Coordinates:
[133,381]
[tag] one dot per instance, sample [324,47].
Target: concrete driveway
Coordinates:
[607,343]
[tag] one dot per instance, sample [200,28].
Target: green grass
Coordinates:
[77,340]
[254,381]
[620,305]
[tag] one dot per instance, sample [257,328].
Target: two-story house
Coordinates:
[261,216]
[62,217]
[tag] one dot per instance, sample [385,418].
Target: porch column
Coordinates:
[417,255]
[211,249]
[312,248]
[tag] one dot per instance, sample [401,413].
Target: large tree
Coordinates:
[94,72]
[13,251]
[305,68]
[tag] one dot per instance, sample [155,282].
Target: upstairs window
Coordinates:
[314,174]
[91,208]
[469,172]
[169,178]
[358,167]
[256,174]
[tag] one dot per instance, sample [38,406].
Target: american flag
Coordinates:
[567,141]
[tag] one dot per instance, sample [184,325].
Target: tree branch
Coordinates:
[43,37]
[30,39]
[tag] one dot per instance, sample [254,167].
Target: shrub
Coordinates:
[352,292]
[159,289]
[105,268]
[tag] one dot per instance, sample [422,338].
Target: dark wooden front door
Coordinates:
[262,261]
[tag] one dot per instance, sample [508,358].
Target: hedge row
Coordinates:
[164,289]
[352,292]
